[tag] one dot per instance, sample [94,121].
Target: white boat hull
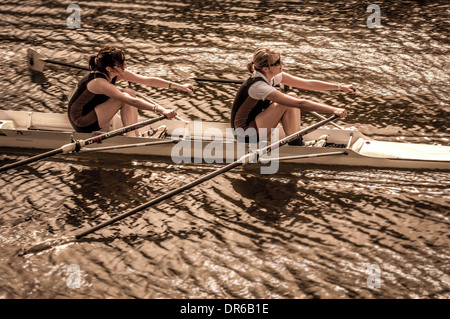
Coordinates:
[200,144]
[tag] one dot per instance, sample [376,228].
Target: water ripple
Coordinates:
[302,233]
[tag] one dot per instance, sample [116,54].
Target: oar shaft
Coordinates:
[161,198]
[323,117]
[75,146]
[295,136]
[31,159]
[117,147]
[244,159]
[295,157]
[71,65]
[122,130]
[218,80]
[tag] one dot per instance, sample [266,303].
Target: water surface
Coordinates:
[305,232]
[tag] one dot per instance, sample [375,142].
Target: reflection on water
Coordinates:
[302,233]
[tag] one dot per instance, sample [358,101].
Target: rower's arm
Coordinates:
[101,86]
[145,80]
[306,105]
[311,85]
[155,82]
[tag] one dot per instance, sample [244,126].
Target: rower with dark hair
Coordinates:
[96,99]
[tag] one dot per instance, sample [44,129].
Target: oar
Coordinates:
[296,157]
[118,147]
[320,116]
[37,61]
[77,145]
[218,80]
[244,159]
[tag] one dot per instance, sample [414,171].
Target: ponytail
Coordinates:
[250,67]
[93,62]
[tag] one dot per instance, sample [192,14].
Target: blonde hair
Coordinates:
[263,57]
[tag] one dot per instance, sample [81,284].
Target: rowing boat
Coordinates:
[197,142]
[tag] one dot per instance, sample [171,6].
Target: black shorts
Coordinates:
[86,129]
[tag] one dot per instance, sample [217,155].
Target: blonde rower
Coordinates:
[259,105]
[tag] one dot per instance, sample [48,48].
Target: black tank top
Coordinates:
[83,98]
[245,109]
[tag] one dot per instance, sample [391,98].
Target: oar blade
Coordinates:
[35,60]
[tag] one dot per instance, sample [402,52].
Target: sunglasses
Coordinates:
[277,63]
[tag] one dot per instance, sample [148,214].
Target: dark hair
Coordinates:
[107,56]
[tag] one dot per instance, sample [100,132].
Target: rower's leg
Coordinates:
[106,111]
[275,113]
[129,113]
[269,118]
[291,119]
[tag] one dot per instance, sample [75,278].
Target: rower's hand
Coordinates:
[189,88]
[349,89]
[170,114]
[342,113]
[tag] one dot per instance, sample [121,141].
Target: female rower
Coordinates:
[96,99]
[259,105]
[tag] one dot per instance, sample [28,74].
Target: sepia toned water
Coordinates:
[305,232]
